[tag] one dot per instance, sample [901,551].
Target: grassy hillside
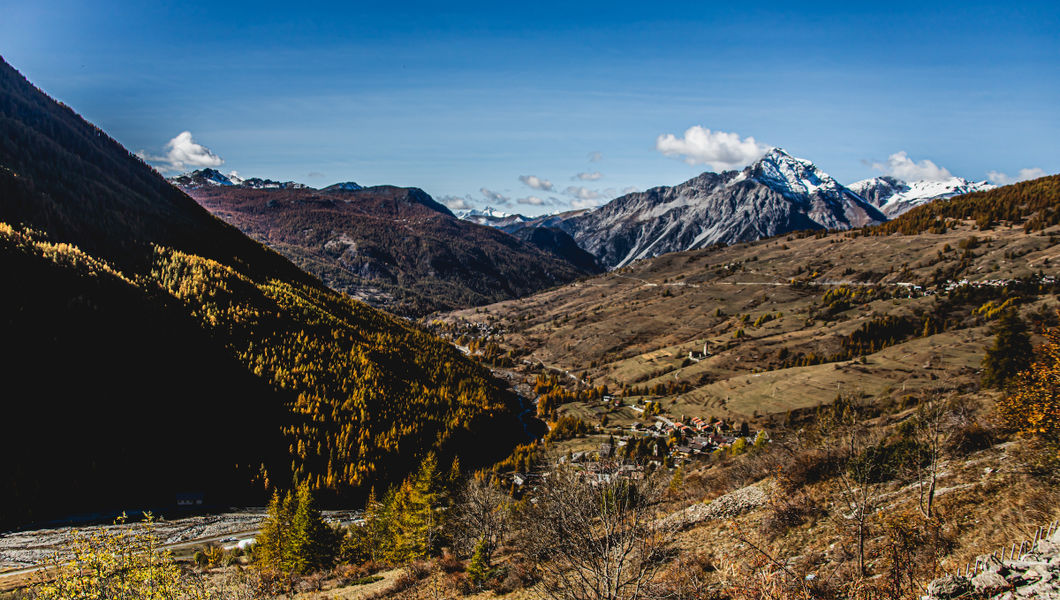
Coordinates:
[154,349]
[790,321]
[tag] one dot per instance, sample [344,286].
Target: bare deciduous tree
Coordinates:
[933,425]
[594,534]
[858,482]
[481,516]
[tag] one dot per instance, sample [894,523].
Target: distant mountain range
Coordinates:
[894,196]
[392,247]
[491,216]
[777,194]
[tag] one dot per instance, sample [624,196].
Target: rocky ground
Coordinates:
[22,549]
[724,507]
[1032,575]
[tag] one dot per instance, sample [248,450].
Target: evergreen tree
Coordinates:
[1009,354]
[413,512]
[454,471]
[270,551]
[478,568]
[294,538]
[379,526]
[310,535]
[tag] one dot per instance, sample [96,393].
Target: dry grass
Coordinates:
[636,326]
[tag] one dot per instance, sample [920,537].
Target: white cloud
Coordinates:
[588,176]
[901,166]
[584,197]
[582,193]
[719,149]
[630,190]
[456,202]
[532,201]
[182,153]
[595,157]
[536,182]
[1024,174]
[495,197]
[584,203]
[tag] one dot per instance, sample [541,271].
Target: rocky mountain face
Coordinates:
[395,248]
[894,196]
[560,244]
[776,195]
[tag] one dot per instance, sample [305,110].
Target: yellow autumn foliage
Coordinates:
[1034,407]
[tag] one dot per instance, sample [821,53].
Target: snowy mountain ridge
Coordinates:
[213,177]
[777,194]
[492,217]
[894,196]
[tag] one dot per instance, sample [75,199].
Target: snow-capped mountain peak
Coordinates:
[789,175]
[208,177]
[203,177]
[490,216]
[489,211]
[894,196]
[777,194]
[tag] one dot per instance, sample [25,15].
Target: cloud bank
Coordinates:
[183,153]
[1023,175]
[495,197]
[595,175]
[582,193]
[719,149]
[456,202]
[536,182]
[532,201]
[901,166]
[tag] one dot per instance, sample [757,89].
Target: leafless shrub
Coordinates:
[787,511]
[595,537]
[482,515]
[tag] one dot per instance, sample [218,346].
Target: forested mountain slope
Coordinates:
[153,349]
[392,247]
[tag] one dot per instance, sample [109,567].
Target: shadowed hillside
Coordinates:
[154,349]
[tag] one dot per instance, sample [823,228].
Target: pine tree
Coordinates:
[1009,354]
[270,551]
[454,471]
[478,567]
[309,536]
[414,517]
[287,510]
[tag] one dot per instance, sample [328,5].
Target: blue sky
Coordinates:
[463,100]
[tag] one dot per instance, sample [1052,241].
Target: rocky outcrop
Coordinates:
[1034,575]
[723,507]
